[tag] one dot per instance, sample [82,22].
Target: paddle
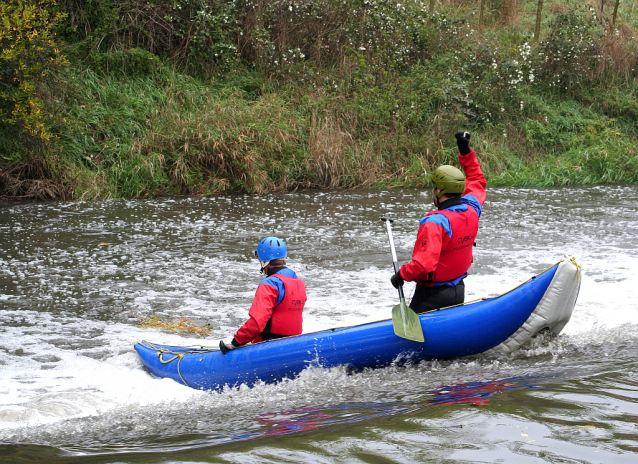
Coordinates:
[405,321]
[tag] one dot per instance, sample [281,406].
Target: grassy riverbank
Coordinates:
[272,95]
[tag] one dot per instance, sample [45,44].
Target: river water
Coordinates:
[73,276]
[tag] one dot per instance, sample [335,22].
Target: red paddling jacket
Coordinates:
[277,309]
[443,250]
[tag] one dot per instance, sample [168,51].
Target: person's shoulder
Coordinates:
[271,280]
[435,217]
[429,216]
[471,200]
[287,272]
[457,208]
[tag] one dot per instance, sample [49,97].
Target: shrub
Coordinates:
[571,53]
[28,53]
[132,63]
[197,34]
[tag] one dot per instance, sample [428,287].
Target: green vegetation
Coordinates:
[127,98]
[28,53]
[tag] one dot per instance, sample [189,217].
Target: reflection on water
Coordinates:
[476,393]
[71,275]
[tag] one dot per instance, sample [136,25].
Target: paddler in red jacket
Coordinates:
[443,250]
[277,309]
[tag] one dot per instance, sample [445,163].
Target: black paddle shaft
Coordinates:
[388,223]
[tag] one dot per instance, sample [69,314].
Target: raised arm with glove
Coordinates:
[439,260]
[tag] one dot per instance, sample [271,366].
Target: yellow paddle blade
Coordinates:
[406,323]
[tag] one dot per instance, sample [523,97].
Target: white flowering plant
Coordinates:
[572,52]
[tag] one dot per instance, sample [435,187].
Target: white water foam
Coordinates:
[45,383]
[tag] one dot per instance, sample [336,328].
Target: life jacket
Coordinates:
[287,316]
[456,258]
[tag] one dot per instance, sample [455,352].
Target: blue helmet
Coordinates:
[271,248]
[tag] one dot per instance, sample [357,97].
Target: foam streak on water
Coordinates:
[74,275]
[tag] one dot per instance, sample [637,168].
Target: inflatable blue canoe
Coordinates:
[493,325]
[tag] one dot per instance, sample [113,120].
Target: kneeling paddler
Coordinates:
[277,310]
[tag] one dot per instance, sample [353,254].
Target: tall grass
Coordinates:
[170,134]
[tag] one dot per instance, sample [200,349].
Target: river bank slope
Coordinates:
[194,97]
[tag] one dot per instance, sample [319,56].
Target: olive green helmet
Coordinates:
[448,179]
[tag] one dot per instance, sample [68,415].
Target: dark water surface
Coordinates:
[76,277]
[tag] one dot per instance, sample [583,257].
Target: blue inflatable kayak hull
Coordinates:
[454,332]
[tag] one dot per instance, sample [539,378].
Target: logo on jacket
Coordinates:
[462,240]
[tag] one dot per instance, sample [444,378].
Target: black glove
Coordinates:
[397,280]
[227,346]
[463,142]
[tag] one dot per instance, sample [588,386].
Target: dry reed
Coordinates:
[179,325]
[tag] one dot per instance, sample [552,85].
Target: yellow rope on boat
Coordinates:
[178,356]
[578,268]
[159,355]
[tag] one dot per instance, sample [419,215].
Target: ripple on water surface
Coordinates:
[73,276]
